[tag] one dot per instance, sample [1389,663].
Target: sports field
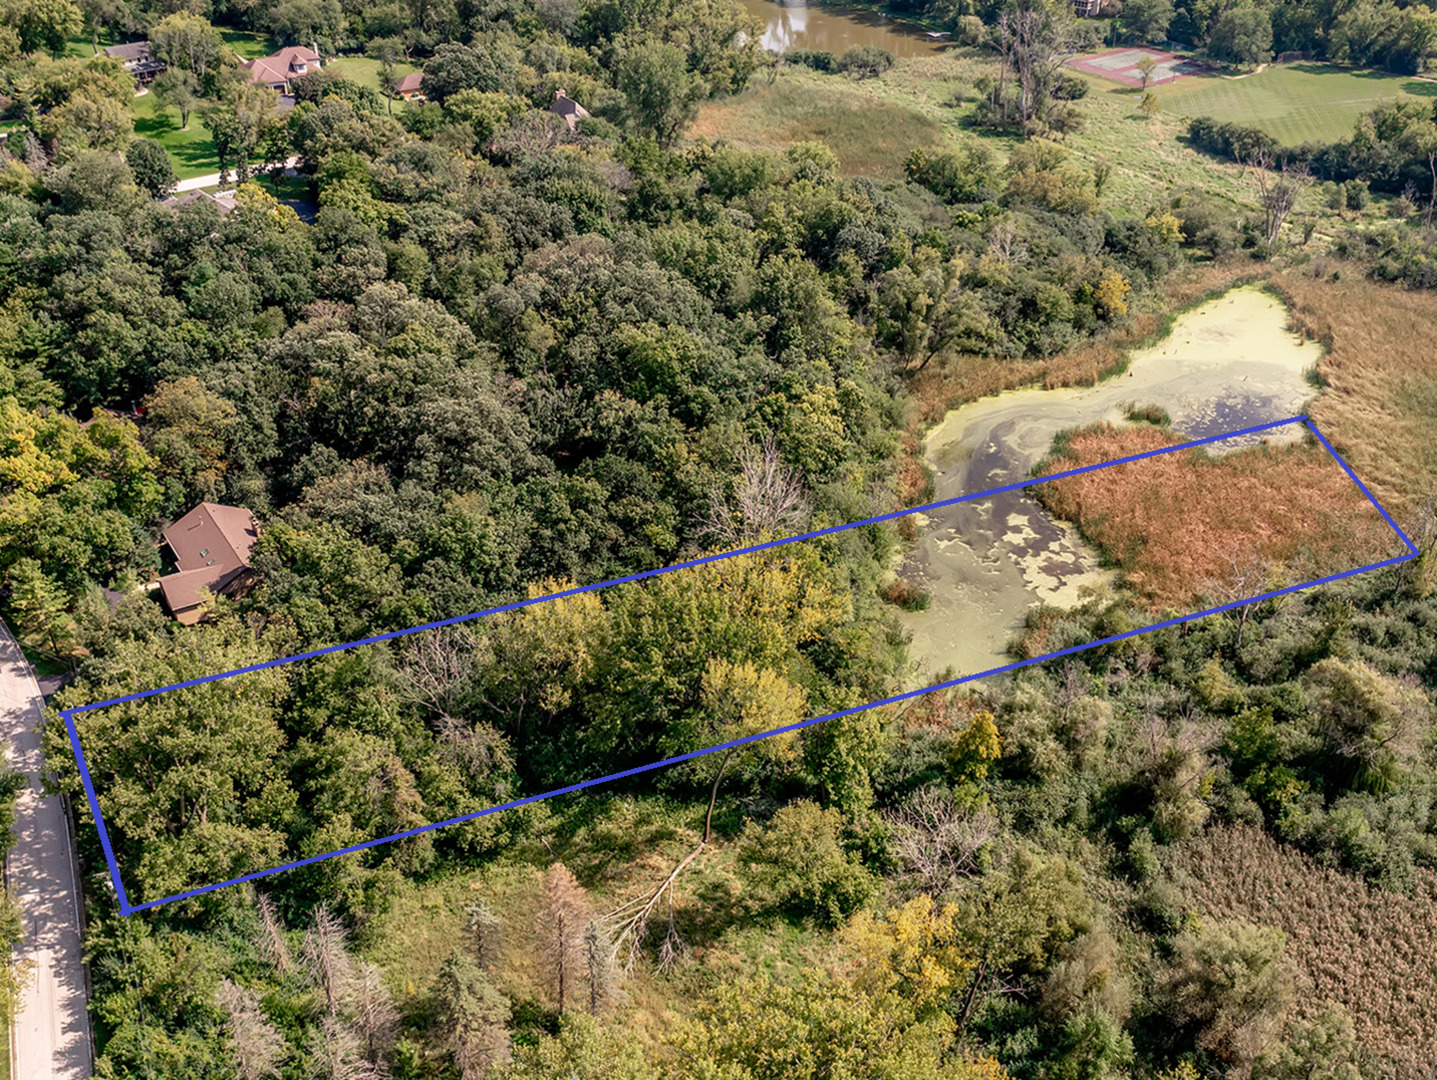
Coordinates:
[1294,103]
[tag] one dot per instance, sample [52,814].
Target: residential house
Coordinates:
[224,201]
[1087,9]
[139,60]
[569,110]
[211,548]
[278,70]
[409,87]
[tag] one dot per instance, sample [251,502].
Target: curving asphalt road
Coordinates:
[51,1036]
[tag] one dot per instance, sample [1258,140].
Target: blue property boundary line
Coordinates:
[126,908]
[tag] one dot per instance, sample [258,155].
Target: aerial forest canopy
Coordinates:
[473,316]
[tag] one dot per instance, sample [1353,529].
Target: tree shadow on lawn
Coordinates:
[196,155]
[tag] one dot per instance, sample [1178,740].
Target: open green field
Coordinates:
[872,125]
[1294,103]
[191,152]
[364,71]
[868,127]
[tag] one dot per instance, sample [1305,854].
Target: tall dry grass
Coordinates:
[1373,952]
[1380,404]
[1185,524]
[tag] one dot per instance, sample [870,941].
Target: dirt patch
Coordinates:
[1185,525]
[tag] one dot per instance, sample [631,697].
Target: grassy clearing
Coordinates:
[618,848]
[246,45]
[869,131]
[191,152]
[1147,157]
[1294,103]
[363,70]
[1174,525]
[1380,405]
[922,102]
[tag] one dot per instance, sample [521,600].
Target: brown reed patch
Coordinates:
[1380,404]
[1371,951]
[1184,524]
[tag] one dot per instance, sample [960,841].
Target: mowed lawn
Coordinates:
[191,152]
[1294,103]
[364,71]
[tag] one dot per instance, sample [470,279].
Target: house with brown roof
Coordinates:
[277,70]
[569,110]
[224,202]
[410,87]
[139,59]
[211,548]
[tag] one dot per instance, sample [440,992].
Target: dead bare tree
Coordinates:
[256,1044]
[372,1012]
[336,1052]
[939,842]
[485,934]
[1035,38]
[437,665]
[767,500]
[272,944]
[1249,575]
[326,956]
[563,914]
[1277,192]
[631,921]
[603,973]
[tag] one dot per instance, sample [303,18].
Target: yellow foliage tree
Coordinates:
[1111,293]
[915,951]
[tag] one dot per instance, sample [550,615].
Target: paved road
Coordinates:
[51,1037]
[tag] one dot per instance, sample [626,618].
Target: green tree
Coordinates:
[583,1048]
[177,89]
[798,863]
[473,1017]
[39,608]
[663,96]
[189,782]
[1147,20]
[187,42]
[149,163]
[1243,35]
[188,428]
[45,24]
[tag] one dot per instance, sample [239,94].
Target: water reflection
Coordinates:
[798,25]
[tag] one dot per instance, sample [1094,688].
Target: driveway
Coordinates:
[194,183]
[51,1036]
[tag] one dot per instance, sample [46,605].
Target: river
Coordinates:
[798,25]
[1228,364]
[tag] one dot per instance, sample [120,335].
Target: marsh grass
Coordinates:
[1178,524]
[1371,951]
[1379,403]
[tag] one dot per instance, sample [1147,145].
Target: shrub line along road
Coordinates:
[51,1035]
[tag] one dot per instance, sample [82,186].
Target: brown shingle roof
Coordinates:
[211,545]
[410,83]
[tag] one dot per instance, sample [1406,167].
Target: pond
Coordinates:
[798,25]
[1228,364]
